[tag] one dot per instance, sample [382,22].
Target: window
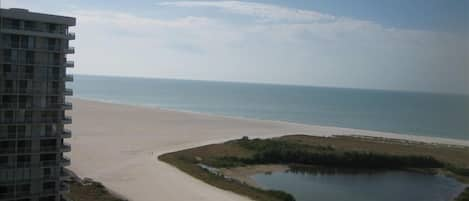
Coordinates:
[23,84]
[30,25]
[47,172]
[48,157]
[23,161]
[53,28]
[12,129]
[3,161]
[48,198]
[23,189]
[51,44]
[24,41]
[30,57]
[15,41]
[6,68]
[9,84]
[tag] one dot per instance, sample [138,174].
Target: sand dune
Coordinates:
[118,145]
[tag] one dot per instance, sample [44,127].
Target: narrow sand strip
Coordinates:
[118,145]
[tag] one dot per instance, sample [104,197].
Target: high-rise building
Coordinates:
[33,49]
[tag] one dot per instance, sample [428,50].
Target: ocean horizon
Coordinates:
[401,112]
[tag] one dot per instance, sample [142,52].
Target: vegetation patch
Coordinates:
[90,190]
[327,152]
[464,196]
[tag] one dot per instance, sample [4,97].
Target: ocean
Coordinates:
[423,114]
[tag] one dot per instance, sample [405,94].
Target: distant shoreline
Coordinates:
[368,133]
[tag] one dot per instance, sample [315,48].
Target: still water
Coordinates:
[375,186]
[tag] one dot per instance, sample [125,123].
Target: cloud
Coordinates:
[266,11]
[343,52]
[275,45]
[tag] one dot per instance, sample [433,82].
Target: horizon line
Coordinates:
[275,84]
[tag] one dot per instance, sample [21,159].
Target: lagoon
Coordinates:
[361,186]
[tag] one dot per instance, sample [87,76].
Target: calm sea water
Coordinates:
[384,186]
[425,114]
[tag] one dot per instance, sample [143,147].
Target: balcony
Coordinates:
[67,120]
[7,195]
[7,136]
[22,193]
[48,149]
[10,75]
[69,78]
[39,120]
[8,105]
[24,75]
[48,190]
[69,50]
[67,106]
[65,161]
[48,163]
[64,174]
[66,133]
[7,150]
[71,36]
[66,147]
[64,188]
[8,90]
[24,150]
[69,64]
[68,92]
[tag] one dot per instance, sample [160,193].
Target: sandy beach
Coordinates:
[118,145]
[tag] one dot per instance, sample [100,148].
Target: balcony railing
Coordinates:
[64,188]
[8,105]
[31,105]
[32,76]
[68,92]
[65,161]
[48,149]
[66,133]
[10,150]
[10,75]
[70,64]
[48,190]
[7,135]
[7,150]
[7,195]
[67,106]
[64,174]
[67,120]
[49,163]
[66,147]
[24,149]
[70,50]
[41,29]
[71,36]
[69,78]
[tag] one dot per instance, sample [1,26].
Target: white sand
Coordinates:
[118,145]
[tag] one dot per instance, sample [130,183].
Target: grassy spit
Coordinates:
[335,152]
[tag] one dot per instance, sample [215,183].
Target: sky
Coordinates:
[411,45]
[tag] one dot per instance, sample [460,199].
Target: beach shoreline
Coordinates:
[344,130]
[118,145]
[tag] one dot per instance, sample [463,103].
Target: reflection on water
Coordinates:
[333,184]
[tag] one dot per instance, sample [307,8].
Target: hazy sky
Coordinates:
[418,45]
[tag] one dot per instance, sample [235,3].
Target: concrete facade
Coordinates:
[33,120]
